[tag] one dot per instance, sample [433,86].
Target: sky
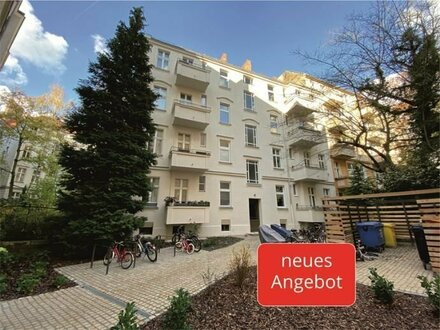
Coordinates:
[59,39]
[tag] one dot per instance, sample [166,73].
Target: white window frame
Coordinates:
[247,80]
[311,193]
[270,93]
[306,155]
[225,190]
[161,100]
[183,142]
[252,163]
[273,123]
[276,156]
[294,190]
[157,144]
[248,128]
[224,108]
[27,152]
[280,194]
[321,161]
[153,195]
[163,59]
[181,187]
[326,192]
[186,98]
[225,149]
[247,94]
[202,183]
[203,140]
[204,100]
[20,174]
[224,81]
[227,224]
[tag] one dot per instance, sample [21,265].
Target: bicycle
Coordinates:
[119,252]
[185,245]
[147,248]
[193,238]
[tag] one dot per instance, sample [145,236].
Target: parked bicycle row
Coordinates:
[277,234]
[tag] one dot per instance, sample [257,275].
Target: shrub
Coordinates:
[3,283]
[27,283]
[432,289]
[40,269]
[127,319]
[177,314]
[60,280]
[240,264]
[5,257]
[382,288]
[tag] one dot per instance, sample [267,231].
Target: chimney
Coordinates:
[224,58]
[247,65]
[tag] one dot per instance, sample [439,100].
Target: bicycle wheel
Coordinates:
[175,238]
[127,260]
[178,245]
[197,244]
[190,248]
[151,252]
[137,250]
[108,256]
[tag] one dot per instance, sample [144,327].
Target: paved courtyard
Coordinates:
[95,303]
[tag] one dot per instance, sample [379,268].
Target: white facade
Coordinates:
[245,143]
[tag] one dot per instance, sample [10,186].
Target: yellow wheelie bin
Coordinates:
[389,234]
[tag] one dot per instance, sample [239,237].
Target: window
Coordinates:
[247,80]
[350,167]
[26,154]
[295,193]
[225,151]
[161,101]
[20,174]
[248,100]
[156,146]
[338,170]
[321,162]
[291,153]
[250,134]
[163,59]
[225,193]
[186,98]
[203,140]
[203,100]
[273,124]
[326,192]
[202,183]
[311,192]
[16,194]
[297,92]
[224,82]
[276,157]
[252,171]
[184,142]
[36,176]
[154,192]
[283,223]
[226,225]
[306,159]
[224,113]
[181,190]
[280,196]
[147,230]
[270,94]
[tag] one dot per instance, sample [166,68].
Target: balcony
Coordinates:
[191,115]
[307,213]
[307,172]
[342,182]
[189,160]
[342,151]
[301,109]
[304,136]
[187,214]
[192,76]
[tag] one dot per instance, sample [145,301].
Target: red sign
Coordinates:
[306,274]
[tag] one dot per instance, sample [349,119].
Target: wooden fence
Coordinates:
[403,209]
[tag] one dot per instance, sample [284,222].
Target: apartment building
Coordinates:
[10,22]
[236,149]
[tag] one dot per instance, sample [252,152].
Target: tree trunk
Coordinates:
[14,167]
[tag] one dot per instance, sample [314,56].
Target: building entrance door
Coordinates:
[254,214]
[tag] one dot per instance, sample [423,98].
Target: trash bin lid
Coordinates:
[369,224]
[389,225]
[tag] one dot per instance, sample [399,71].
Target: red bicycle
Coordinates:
[119,252]
[184,244]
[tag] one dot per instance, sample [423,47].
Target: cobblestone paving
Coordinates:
[400,265]
[95,303]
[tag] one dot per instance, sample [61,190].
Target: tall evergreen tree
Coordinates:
[105,181]
[359,183]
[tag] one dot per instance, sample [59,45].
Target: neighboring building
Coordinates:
[10,22]
[236,149]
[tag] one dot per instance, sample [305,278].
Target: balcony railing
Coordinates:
[301,109]
[190,114]
[192,75]
[342,150]
[305,135]
[309,213]
[189,159]
[308,208]
[308,172]
[186,214]
[342,182]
